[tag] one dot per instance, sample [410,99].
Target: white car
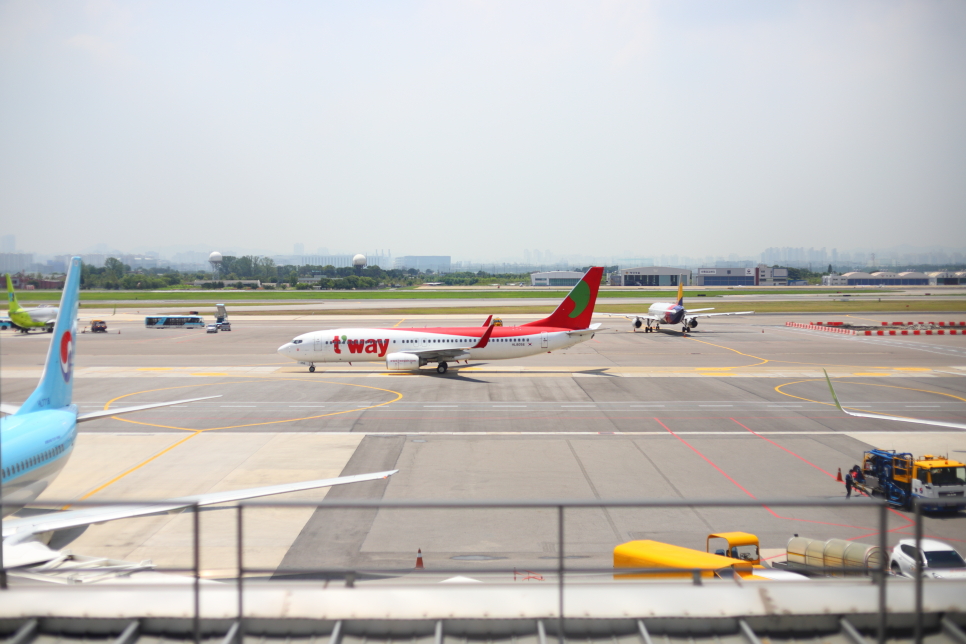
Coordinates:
[212,328]
[942,560]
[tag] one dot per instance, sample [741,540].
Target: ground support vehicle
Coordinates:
[212,328]
[98,326]
[739,558]
[940,560]
[224,326]
[900,478]
[832,558]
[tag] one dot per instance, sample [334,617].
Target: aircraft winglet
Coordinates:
[901,419]
[489,319]
[485,339]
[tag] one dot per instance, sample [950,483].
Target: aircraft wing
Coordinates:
[686,311]
[454,352]
[901,419]
[708,315]
[127,410]
[633,316]
[17,530]
[8,409]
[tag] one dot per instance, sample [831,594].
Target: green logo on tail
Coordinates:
[580,296]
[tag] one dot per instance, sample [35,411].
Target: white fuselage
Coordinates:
[668,312]
[373,345]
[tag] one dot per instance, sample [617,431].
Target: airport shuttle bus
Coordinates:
[174,322]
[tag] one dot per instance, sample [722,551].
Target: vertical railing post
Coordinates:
[197,573]
[560,572]
[883,563]
[241,573]
[918,633]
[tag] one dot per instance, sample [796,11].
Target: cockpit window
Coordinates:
[296,342]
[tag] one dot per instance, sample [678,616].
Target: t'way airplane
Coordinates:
[42,317]
[669,313]
[38,437]
[409,349]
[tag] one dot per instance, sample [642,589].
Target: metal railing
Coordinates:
[351,574]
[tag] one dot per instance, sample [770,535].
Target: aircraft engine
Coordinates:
[693,323]
[402,361]
[637,323]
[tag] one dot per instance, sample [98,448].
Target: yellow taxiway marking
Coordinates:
[866,384]
[398,323]
[871,373]
[136,467]
[747,355]
[195,432]
[713,368]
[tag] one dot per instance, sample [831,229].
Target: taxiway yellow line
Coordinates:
[747,355]
[195,432]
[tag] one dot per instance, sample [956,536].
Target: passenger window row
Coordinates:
[33,460]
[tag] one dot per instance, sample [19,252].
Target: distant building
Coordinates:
[16,262]
[555,278]
[338,261]
[650,276]
[422,263]
[760,275]
[879,278]
[945,278]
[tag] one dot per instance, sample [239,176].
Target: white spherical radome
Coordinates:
[359,260]
[214,257]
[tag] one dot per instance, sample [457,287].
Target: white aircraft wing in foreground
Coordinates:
[22,532]
[901,419]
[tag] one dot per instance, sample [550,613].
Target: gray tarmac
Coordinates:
[737,410]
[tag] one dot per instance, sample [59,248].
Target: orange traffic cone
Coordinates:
[419,557]
[839,477]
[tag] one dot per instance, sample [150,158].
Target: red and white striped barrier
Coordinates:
[916,332]
[944,324]
[818,327]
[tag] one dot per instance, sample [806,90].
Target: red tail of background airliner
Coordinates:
[578,307]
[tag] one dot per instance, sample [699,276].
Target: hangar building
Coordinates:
[760,275]
[555,278]
[879,278]
[650,276]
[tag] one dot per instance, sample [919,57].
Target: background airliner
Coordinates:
[39,436]
[408,349]
[669,313]
[41,317]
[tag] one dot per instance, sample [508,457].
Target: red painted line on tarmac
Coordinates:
[895,512]
[745,490]
[786,449]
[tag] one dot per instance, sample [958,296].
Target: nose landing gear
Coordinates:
[311,368]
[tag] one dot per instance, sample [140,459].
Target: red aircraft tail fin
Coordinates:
[577,308]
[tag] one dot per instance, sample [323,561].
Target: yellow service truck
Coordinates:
[900,478]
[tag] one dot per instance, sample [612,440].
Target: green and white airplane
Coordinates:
[42,317]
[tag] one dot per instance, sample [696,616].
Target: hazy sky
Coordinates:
[479,129]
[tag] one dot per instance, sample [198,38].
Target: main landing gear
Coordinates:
[442,367]
[651,329]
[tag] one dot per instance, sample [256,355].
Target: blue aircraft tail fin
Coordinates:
[57,382]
